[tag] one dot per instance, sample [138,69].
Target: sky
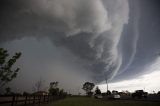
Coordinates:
[74,41]
[148,82]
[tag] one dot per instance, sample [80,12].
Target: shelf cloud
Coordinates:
[89,40]
[90,29]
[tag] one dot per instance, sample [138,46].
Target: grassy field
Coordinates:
[84,101]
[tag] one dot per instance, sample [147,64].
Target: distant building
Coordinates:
[40,93]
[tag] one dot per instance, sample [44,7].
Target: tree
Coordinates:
[8,90]
[38,85]
[108,92]
[7,74]
[158,92]
[62,93]
[87,87]
[97,91]
[53,84]
[54,90]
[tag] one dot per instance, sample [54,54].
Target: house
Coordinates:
[41,93]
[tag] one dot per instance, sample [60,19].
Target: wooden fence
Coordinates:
[28,100]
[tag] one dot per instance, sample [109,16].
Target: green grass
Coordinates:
[84,101]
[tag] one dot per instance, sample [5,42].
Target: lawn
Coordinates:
[84,101]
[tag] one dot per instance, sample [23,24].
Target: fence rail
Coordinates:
[28,100]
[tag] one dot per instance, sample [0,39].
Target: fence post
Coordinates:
[39,97]
[29,99]
[16,99]
[25,102]
[47,99]
[13,100]
[33,99]
[44,98]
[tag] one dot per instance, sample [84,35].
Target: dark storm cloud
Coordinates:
[149,40]
[91,39]
[91,33]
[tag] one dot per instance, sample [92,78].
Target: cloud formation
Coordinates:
[89,29]
[76,16]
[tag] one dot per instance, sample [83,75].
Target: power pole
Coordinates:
[107,84]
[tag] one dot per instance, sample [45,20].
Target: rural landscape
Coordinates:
[58,97]
[79,53]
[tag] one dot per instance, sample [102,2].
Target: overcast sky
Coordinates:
[73,41]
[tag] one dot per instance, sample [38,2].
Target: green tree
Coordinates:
[108,92]
[54,90]
[8,90]
[54,84]
[62,93]
[97,91]
[87,87]
[7,74]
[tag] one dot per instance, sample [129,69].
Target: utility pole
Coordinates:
[107,84]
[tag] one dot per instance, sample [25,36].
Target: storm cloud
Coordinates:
[89,29]
[74,40]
